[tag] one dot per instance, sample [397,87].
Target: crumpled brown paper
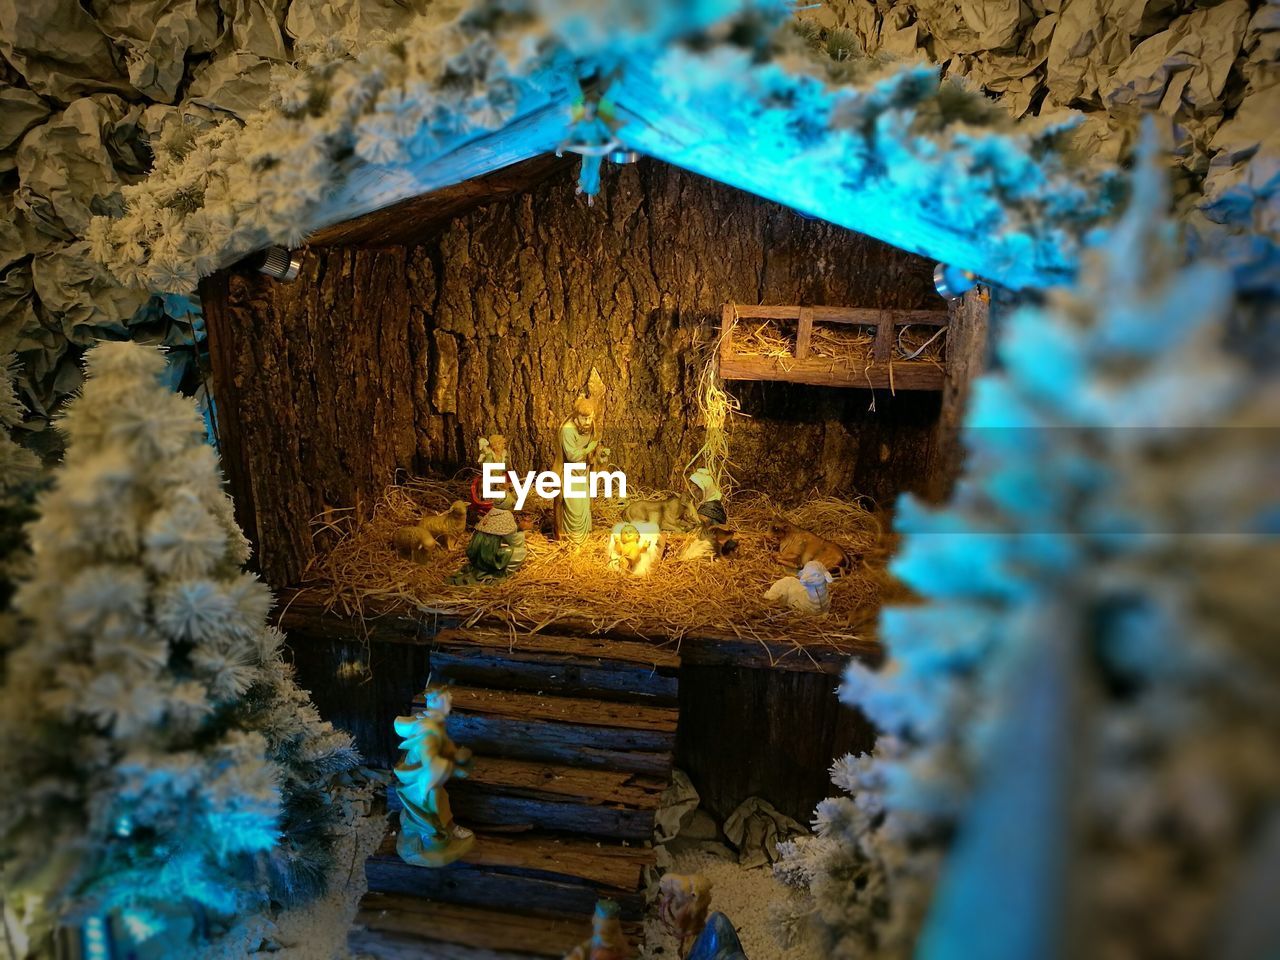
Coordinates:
[756,828]
[1185,64]
[59,49]
[79,160]
[20,110]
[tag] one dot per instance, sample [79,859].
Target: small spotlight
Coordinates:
[281,264]
[952,282]
[623,156]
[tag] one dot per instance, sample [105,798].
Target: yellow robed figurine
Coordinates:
[428,835]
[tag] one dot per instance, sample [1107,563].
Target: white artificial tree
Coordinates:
[1095,600]
[19,474]
[159,764]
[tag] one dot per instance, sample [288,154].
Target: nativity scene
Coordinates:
[720,481]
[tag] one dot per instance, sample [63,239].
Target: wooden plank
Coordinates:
[589,861]
[552,673]
[785,727]
[368,188]
[416,219]
[369,944]
[907,374]
[866,316]
[804,331]
[302,612]
[767,311]
[471,926]
[630,751]
[552,780]
[481,809]
[500,890]
[870,316]
[530,707]
[728,317]
[582,645]
[307,618]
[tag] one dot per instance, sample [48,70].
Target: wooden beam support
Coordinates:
[804,332]
[539,130]
[418,218]
[687,132]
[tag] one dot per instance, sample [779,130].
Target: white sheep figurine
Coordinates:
[806,593]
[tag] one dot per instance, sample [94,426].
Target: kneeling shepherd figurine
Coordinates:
[428,835]
[497,548]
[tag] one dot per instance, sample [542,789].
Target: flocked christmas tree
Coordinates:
[159,763]
[19,473]
[1080,722]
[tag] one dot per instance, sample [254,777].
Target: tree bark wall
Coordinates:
[399,359]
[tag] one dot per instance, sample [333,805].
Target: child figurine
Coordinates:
[629,547]
[493,449]
[607,941]
[428,835]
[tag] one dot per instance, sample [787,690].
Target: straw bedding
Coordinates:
[556,582]
[839,342]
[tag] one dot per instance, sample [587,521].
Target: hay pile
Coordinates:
[848,343]
[722,597]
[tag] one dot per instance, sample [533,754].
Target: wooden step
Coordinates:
[559,673]
[496,889]
[516,796]
[644,752]
[547,874]
[472,926]
[576,710]
[370,944]
[584,647]
[575,783]
[590,861]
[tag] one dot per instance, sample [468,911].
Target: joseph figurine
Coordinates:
[578,442]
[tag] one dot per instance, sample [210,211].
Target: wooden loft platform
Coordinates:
[305,612]
[881,372]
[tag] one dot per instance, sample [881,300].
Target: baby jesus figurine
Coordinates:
[629,547]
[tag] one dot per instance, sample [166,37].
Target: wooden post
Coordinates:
[727,319]
[966,358]
[804,330]
[882,348]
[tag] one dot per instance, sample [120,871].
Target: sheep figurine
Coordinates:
[421,541]
[807,593]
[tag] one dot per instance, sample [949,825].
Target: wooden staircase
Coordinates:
[573,739]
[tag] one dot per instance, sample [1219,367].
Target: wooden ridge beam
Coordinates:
[689,133]
[541,127]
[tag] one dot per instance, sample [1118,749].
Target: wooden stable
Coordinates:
[479,307]
[881,372]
